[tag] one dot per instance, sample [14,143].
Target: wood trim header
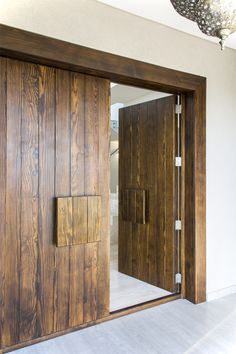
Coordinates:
[37,48]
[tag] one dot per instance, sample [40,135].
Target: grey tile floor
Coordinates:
[174,328]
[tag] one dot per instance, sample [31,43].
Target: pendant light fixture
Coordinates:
[216,18]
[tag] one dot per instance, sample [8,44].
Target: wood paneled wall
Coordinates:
[54,142]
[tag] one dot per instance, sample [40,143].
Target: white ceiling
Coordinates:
[163,12]
[124,94]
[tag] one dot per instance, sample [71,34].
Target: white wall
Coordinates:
[93,24]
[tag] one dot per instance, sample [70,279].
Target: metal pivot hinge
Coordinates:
[178,108]
[178,278]
[178,161]
[178,225]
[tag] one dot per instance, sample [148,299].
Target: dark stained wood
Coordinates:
[195,193]
[62,188]
[46,246]
[145,229]
[49,153]
[135,208]
[3,183]
[200,196]
[125,230]
[29,201]
[103,277]
[11,317]
[153,172]
[141,206]
[182,198]
[131,205]
[90,281]
[50,51]
[170,264]
[91,188]
[77,188]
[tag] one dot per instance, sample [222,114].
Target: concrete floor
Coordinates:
[174,328]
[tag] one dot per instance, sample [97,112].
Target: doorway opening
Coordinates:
[145,196]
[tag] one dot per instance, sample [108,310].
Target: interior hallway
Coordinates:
[174,328]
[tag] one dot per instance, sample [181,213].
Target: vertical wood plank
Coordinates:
[94,219]
[28,280]
[80,220]
[29,199]
[91,188]
[10,333]
[124,203]
[135,181]
[145,175]
[3,162]
[103,289]
[45,309]
[91,135]
[141,206]
[77,88]
[156,181]
[90,282]
[200,195]
[132,205]
[62,188]
[64,221]
[125,179]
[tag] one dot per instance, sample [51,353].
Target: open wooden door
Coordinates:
[147,192]
[54,143]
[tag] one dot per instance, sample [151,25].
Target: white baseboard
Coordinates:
[213,295]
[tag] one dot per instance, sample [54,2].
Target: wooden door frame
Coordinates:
[23,45]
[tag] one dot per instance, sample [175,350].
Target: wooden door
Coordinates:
[147,240]
[54,142]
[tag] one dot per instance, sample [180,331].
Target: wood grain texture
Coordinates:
[103,278]
[10,333]
[49,152]
[135,206]
[64,222]
[46,265]
[91,188]
[151,169]
[80,220]
[125,230]
[90,282]
[29,202]
[94,218]
[77,88]
[3,183]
